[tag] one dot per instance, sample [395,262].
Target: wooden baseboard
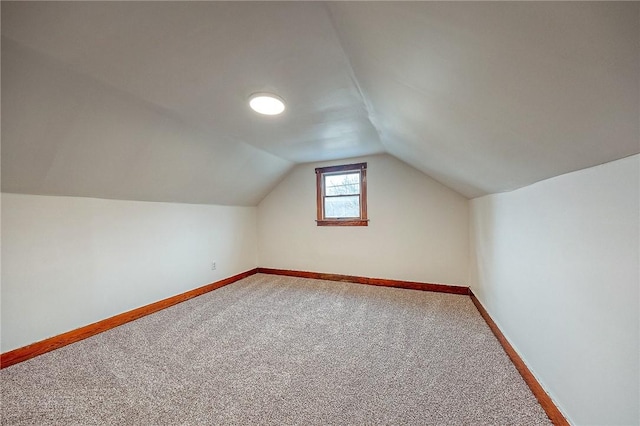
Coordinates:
[27,352]
[554,414]
[441,288]
[30,351]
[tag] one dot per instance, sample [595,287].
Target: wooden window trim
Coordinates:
[320,172]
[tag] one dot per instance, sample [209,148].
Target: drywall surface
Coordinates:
[66,134]
[418,228]
[556,266]
[68,262]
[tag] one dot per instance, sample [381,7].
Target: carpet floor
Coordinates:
[281,350]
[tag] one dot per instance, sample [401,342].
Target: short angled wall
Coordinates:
[70,261]
[30,351]
[555,264]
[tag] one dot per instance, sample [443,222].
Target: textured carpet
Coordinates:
[281,350]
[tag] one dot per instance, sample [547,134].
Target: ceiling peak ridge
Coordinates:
[354,78]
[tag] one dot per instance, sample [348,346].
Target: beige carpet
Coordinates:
[280,350]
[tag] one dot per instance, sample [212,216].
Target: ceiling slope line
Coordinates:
[370,110]
[354,79]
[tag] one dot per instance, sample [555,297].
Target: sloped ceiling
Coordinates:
[148,100]
[490,97]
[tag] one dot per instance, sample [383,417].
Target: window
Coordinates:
[342,195]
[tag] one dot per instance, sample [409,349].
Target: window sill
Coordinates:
[343,222]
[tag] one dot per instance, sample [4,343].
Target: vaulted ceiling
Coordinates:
[148,100]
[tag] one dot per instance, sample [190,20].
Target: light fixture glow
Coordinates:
[266,103]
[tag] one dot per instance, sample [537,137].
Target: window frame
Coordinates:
[320,195]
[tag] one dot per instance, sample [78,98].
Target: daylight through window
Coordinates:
[342,195]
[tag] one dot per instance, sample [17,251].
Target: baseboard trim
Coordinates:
[413,285]
[30,351]
[552,410]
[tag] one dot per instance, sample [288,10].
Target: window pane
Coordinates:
[344,184]
[335,207]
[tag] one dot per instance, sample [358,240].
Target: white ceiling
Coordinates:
[148,100]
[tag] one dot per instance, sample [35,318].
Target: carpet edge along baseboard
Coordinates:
[47,345]
[412,285]
[30,351]
[552,410]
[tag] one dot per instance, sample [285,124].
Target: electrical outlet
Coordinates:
[213,265]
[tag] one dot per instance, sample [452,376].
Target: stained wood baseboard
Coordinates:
[553,412]
[441,288]
[27,352]
[30,351]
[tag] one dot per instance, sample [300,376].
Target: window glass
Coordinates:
[335,207]
[343,184]
[342,195]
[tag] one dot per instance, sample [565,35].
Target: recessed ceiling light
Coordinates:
[266,103]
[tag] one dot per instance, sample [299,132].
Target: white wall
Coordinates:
[68,262]
[556,265]
[418,228]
